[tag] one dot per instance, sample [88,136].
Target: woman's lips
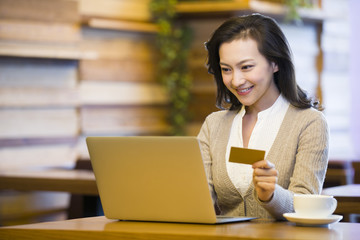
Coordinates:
[244,91]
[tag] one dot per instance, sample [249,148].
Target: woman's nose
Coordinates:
[238,79]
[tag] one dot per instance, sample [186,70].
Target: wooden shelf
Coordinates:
[246,6]
[279,10]
[36,50]
[132,26]
[63,180]
[182,8]
[212,6]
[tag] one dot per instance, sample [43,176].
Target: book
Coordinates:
[42,32]
[33,72]
[118,70]
[121,93]
[38,123]
[125,9]
[108,44]
[41,10]
[124,120]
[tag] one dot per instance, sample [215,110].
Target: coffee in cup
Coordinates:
[314,205]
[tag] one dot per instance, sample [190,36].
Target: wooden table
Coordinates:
[64,180]
[104,229]
[80,184]
[348,197]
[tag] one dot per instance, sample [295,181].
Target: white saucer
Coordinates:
[293,217]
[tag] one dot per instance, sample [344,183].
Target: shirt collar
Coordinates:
[278,105]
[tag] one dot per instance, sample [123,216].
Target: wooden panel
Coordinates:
[124,120]
[203,98]
[30,207]
[202,31]
[125,9]
[193,128]
[211,6]
[43,10]
[339,172]
[123,93]
[12,158]
[37,82]
[118,70]
[199,74]
[202,104]
[123,25]
[27,123]
[62,180]
[119,45]
[20,72]
[21,142]
[53,51]
[356,167]
[38,97]
[39,31]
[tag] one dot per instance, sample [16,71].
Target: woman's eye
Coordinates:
[225,70]
[247,67]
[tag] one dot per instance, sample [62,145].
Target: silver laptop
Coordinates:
[153,179]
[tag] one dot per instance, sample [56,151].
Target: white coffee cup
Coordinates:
[314,206]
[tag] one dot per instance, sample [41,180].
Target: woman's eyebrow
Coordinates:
[221,63]
[239,63]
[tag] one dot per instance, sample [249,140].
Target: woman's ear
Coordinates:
[275,67]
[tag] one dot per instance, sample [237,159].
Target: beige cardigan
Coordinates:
[299,152]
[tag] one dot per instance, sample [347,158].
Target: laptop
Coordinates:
[153,178]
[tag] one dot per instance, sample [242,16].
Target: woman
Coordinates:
[263,108]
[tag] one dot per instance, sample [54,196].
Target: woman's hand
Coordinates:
[265,179]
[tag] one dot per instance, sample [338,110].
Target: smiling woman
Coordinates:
[271,43]
[248,75]
[264,109]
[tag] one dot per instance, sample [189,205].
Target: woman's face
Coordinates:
[248,74]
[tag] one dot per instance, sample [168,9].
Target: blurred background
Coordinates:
[76,68]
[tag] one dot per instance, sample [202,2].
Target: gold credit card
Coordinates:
[245,155]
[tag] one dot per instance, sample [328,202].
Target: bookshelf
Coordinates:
[109,48]
[73,68]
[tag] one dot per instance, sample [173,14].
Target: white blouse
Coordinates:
[262,137]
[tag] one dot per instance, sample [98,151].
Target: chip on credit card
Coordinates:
[245,155]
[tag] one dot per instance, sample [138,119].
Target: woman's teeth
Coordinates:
[244,90]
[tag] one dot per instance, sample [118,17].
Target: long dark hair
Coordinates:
[272,44]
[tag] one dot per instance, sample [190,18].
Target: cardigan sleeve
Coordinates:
[310,164]
[204,140]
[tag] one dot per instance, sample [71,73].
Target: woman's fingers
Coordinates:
[265,179]
[265,172]
[263,164]
[266,187]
